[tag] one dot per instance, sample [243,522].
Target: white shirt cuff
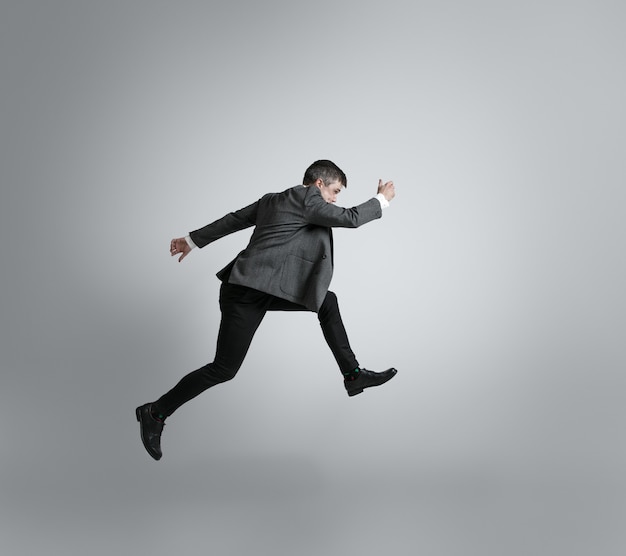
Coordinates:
[384,203]
[190,242]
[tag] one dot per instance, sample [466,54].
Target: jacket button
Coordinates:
[323,256]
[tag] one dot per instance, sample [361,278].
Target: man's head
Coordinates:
[328,177]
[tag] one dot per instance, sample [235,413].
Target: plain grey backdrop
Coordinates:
[494,282]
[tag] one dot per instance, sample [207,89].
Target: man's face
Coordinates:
[329,190]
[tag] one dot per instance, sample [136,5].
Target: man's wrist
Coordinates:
[190,242]
[384,203]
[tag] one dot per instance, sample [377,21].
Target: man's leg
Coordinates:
[356,379]
[336,335]
[242,310]
[332,328]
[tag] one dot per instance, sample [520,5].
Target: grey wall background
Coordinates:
[494,282]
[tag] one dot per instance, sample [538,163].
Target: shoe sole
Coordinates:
[355,392]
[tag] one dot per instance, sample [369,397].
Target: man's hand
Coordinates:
[387,189]
[179,245]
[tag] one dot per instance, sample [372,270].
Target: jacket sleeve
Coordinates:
[319,212]
[232,222]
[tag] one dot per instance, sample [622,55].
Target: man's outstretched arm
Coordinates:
[232,222]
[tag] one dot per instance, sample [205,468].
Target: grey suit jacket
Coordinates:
[290,253]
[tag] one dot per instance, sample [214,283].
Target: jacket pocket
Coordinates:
[295,275]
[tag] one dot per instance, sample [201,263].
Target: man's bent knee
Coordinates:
[216,374]
[330,301]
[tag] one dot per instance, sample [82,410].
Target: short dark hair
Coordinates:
[326,171]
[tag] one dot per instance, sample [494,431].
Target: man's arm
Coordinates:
[232,222]
[321,213]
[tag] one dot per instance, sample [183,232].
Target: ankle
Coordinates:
[157,415]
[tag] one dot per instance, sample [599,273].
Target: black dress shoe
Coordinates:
[151,430]
[367,379]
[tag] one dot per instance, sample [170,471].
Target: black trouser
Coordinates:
[243,310]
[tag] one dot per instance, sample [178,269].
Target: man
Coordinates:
[287,266]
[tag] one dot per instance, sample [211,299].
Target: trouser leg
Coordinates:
[242,312]
[332,328]
[335,334]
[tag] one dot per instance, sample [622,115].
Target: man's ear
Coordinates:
[319,182]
